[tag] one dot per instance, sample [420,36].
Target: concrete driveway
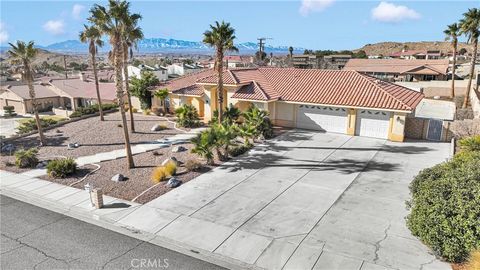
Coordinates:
[305,201]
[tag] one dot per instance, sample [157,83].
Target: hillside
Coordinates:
[50,57]
[387,48]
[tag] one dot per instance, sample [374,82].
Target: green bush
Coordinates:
[9,110]
[92,109]
[61,168]
[187,116]
[259,120]
[470,143]
[238,150]
[26,158]
[192,165]
[31,125]
[445,206]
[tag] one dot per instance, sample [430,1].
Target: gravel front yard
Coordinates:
[138,178]
[95,136]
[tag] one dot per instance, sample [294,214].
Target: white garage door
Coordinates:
[372,124]
[322,118]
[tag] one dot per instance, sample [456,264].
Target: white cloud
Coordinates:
[391,13]
[3,33]
[77,11]
[309,6]
[55,27]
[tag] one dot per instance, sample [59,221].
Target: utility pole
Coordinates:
[65,65]
[261,46]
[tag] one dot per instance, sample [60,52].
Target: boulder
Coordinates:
[177,149]
[173,182]
[42,164]
[156,127]
[170,159]
[118,178]
[8,148]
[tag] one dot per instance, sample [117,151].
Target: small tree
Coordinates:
[162,95]
[140,88]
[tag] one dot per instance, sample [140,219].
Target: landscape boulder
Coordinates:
[173,182]
[179,148]
[118,178]
[156,127]
[170,159]
[42,164]
[8,148]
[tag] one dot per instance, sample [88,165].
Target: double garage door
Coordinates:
[329,119]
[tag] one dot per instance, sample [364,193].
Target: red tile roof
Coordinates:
[399,66]
[328,87]
[186,85]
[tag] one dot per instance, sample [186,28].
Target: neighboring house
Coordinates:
[175,70]
[335,61]
[18,96]
[400,69]
[305,61]
[346,102]
[232,61]
[82,92]
[421,55]
[159,71]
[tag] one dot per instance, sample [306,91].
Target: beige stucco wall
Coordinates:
[285,114]
[396,132]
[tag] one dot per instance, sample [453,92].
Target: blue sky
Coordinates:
[315,24]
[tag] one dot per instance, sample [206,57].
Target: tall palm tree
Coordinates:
[93,37]
[452,32]
[290,52]
[470,26]
[109,21]
[220,36]
[23,54]
[131,35]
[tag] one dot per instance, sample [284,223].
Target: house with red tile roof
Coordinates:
[342,101]
[401,70]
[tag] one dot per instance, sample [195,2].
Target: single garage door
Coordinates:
[372,124]
[322,118]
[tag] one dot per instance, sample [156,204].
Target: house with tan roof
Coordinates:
[51,93]
[394,70]
[342,101]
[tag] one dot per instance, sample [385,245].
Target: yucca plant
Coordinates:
[224,135]
[204,144]
[187,116]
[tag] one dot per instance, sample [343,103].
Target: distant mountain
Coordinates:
[156,45]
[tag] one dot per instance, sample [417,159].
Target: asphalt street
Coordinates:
[36,238]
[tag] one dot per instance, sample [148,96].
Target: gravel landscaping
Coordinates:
[138,179]
[95,136]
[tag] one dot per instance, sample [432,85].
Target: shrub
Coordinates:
[26,158]
[61,168]
[204,144]
[92,109]
[9,110]
[445,206]
[159,175]
[192,165]
[474,261]
[260,121]
[171,168]
[187,116]
[30,125]
[147,111]
[134,110]
[470,143]
[238,150]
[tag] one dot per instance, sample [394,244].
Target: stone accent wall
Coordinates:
[414,128]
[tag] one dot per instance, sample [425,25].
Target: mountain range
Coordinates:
[159,45]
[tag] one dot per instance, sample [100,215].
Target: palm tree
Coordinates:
[93,37]
[470,26]
[109,21]
[22,54]
[131,35]
[162,94]
[220,37]
[452,32]
[290,52]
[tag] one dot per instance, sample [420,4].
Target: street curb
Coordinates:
[106,223]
